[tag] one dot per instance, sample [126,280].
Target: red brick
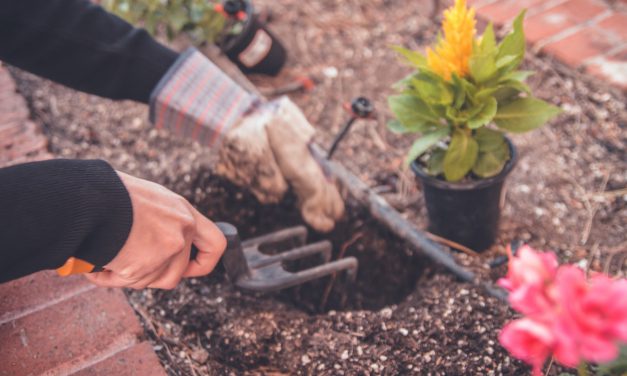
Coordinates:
[39,156]
[23,144]
[612,68]
[17,113]
[6,81]
[14,128]
[37,291]
[139,360]
[22,137]
[584,44]
[560,18]
[12,102]
[617,24]
[10,129]
[504,11]
[68,336]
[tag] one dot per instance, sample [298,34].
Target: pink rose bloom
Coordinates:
[528,277]
[593,317]
[612,296]
[529,341]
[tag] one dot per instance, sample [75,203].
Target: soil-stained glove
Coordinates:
[263,146]
[281,128]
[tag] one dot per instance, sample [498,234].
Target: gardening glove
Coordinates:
[286,133]
[262,146]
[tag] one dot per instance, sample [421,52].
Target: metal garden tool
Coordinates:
[248,267]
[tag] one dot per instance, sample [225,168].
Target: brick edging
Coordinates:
[585,34]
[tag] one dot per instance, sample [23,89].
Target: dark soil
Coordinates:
[403,315]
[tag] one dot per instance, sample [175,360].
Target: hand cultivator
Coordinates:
[248,267]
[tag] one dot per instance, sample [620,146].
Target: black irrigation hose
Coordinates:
[340,136]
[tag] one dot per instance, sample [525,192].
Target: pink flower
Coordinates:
[529,274]
[529,341]
[612,296]
[529,267]
[592,317]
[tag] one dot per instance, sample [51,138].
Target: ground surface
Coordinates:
[567,194]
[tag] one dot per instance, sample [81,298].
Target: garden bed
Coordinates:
[403,314]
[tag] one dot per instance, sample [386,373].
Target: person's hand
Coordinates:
[262,147]
[157,251]
[268,149]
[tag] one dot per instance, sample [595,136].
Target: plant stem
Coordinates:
[582,370]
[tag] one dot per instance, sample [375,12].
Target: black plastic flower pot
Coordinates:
[467,213]
[255,49]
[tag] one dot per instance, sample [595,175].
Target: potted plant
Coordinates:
[462,98]
[231,24]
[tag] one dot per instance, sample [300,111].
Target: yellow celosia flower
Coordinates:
[452,52]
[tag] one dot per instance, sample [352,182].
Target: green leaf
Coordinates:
[517,75]
[485,115]
[505,60]
[432,88]
[493,153]
[524,114]
[506,94]
[425,142]
[397,127]
[435,164]
[455,115]
[175,16]
[460,91]
[404,82]
[489,139]
[414,58]
[178,18]
[482,66]
[460,156]
[514,43]
[488,41]
[483,94]
[516,85]
[412,112]
[491,163]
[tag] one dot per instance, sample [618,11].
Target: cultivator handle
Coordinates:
[75,265]
[233,259]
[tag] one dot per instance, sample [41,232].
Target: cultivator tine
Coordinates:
[323,248]
[274,277]
[249,268]
[298,234]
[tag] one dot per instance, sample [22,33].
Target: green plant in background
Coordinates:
[198,18]
[458,90]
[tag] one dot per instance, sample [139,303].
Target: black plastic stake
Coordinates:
[361,108]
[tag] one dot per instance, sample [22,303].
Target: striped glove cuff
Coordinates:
[197,100]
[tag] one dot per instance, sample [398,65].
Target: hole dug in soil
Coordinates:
[388,271]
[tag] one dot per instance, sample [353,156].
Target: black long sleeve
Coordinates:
[52,210]
[80,45]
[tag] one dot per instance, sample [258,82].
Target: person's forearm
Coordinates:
[53,210]
[78,44]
